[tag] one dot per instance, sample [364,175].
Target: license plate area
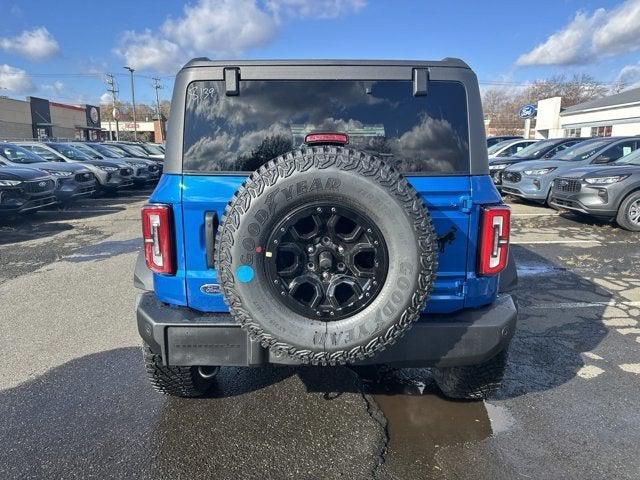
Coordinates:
[225,346]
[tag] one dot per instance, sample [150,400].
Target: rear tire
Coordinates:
[629,207]
[177,381]
[473,382]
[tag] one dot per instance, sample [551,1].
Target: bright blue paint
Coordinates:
[441,194]
[244,273]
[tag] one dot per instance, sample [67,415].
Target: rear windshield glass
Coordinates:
[419,134]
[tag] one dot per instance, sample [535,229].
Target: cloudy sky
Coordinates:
[61,50]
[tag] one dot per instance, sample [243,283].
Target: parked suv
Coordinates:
[73,180]
[144,171]
[541,150]
[24,190]
[532,180]
[110,174]
[291,225]
[611,191]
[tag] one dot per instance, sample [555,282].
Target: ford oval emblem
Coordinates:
[527,111]
[210,288]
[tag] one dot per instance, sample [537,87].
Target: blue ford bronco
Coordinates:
[326,213]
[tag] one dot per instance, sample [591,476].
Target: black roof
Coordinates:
[445,62]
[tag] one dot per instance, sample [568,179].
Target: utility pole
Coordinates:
[133,103]
[157,85]
[112,88]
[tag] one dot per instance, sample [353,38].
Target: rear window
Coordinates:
[418,134]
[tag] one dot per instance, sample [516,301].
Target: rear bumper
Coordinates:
[187,337]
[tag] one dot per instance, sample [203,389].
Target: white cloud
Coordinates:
[221,26]
[14,80]
[146,51]
[620,33]
[37,44]
[106,99]
[567,46]
[217,28]
[315,8]
[629,75]
[589,37]
[56,88]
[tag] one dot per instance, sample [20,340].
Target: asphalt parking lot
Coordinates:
[75,403]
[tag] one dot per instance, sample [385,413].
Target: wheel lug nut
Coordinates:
[319,210]
[310,249]
[276,281]
[333,209]
[275,241]
[369,230]
[341,249]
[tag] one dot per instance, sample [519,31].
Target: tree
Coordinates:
[269,148]
[501,105]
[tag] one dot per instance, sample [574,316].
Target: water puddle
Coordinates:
[535,269]
[103,250]
[420,421]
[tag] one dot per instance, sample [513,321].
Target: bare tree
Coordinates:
[501,105]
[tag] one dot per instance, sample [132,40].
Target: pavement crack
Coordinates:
[376,414]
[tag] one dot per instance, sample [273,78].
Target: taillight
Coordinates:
[332,138]
[494,240]
[157,233]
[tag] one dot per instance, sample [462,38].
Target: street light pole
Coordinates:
[133,104]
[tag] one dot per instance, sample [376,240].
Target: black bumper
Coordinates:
[187,337]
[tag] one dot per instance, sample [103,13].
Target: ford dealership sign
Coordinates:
[527,111]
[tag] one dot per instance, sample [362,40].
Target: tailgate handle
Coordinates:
[210,230]
[420,81]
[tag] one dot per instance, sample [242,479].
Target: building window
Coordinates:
[601,131]
[572,133]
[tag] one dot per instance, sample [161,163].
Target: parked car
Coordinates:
[111,175]
[541,150]
[491,141]
[24,190]
[144,171]
[133,150]
[509,147]
[611,191]
[72,180]
[532,180]
[288,246]
[153,150]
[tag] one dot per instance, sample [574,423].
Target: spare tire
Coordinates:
[326,254]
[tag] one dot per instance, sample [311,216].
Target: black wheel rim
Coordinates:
[326,262]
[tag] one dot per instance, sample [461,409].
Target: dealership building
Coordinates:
[614,115]
[148,130]
[38,118]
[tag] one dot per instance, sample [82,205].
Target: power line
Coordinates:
[112,87]
[158,86]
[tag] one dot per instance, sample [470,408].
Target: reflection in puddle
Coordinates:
[420,421]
